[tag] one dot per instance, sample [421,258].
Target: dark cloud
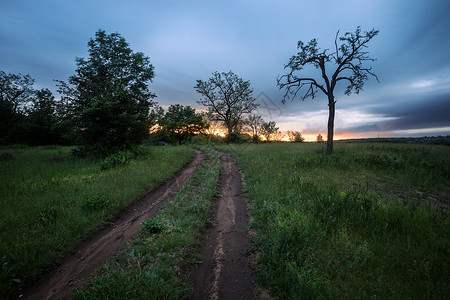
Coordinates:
[188,40]
[434,113]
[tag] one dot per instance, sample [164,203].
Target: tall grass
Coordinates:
[152,267]
[51,200]
[365,222]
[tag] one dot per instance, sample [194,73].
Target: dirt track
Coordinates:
[79,267]
[225,272]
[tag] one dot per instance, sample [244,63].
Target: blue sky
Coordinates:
[188,40]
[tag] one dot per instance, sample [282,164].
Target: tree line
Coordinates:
[31,116]
[106,106]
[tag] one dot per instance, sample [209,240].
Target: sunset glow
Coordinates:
[410,99]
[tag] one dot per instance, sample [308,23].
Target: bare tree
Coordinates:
[348,57]
[227,97]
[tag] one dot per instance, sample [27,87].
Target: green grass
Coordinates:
[364,222]
[152,267]
[51,200]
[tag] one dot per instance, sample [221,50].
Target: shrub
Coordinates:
[94,203]
[117,159]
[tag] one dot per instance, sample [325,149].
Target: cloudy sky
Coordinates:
[188,40]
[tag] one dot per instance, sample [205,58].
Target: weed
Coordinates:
[46,215]
[154,225]
[95,202]
[8,273]
[120,158]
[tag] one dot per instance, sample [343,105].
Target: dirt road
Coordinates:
[78,268]
[225,272]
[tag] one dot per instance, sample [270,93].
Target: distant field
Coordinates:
[370,221]
[51,200]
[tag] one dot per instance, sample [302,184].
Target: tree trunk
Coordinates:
[331,109]
[230,130]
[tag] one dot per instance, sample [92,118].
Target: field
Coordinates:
[51,200]
[369,221]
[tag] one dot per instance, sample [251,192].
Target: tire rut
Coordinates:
[90,255]
[225,272]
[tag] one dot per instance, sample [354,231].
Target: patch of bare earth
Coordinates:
[78,268]
[225,272]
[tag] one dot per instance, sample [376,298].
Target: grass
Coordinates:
[152,267]
[365,222]
[51,200]
[369,221]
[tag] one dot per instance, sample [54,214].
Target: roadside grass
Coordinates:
[368,221]
[155,263]
[51,200]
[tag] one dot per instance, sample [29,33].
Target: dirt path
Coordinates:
[225,272]
[79,267]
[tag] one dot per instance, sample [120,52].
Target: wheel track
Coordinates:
[90,255]
[225,272]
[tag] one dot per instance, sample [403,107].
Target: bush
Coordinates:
[236,137]
[161,137]
[120,158]
[95,202]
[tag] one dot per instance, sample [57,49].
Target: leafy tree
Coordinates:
[183,122]
[319,138]
[254,122]
[41,119]
[214,127]
[295,136]
[64,126]
[227,97]
[277,136]
[16,90]
[110,96]
[268,129]
[348,58]
[156,116]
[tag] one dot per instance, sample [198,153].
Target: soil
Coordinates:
[79,267]
[225,272]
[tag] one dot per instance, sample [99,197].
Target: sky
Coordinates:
[189,40]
